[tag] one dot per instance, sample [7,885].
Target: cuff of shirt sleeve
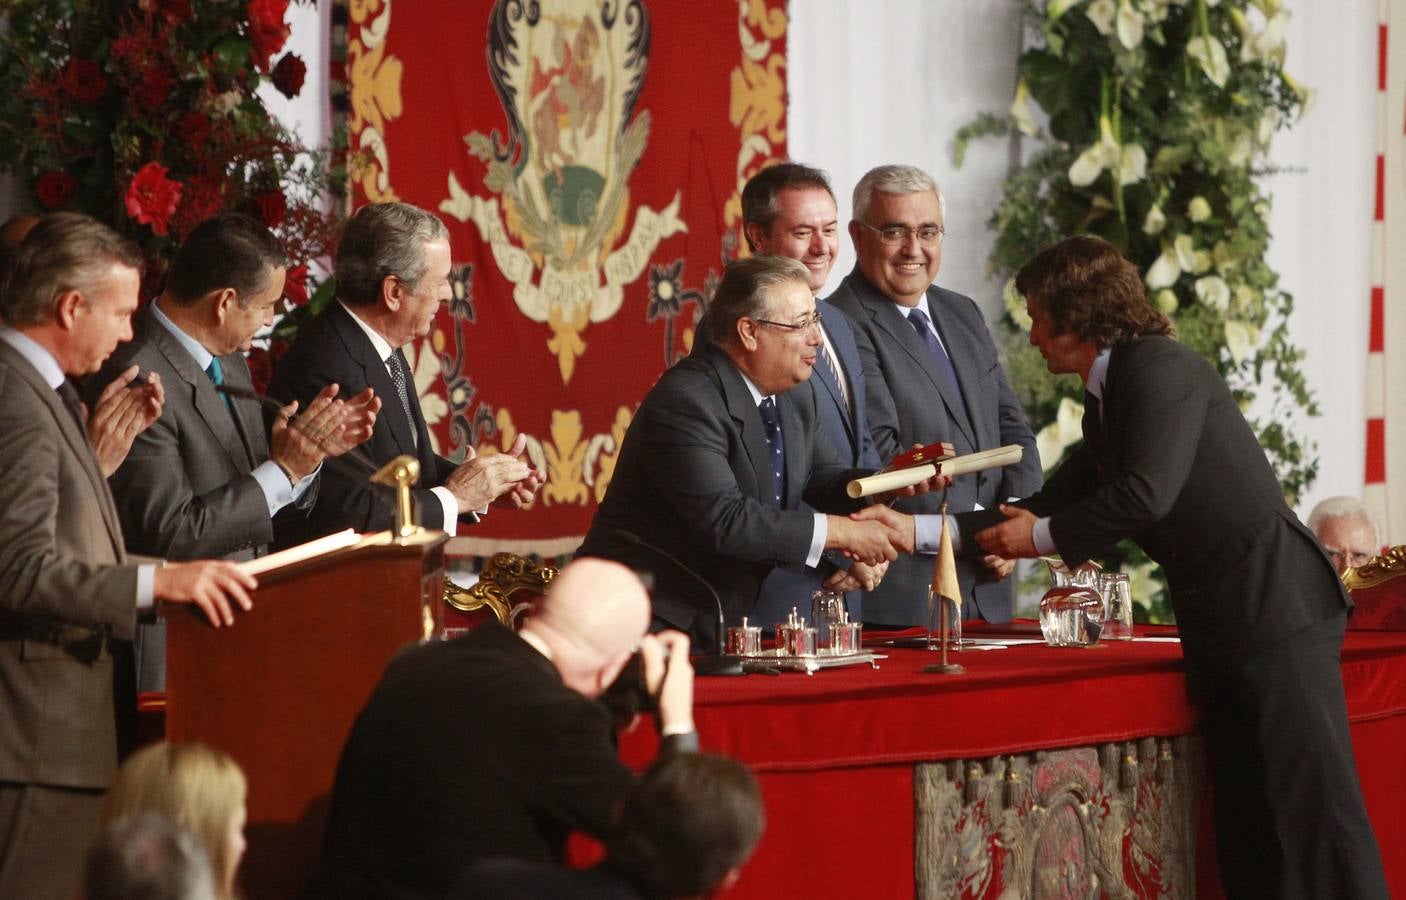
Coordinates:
[146,587]
[1044,544]
[273,481]
[450,504]
[818,536]
[927,533]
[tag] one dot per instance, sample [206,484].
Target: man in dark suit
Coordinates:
[931,372]
[67,589]
[206,480]
[684,831]
[392,270]
[493,744]
[723,452]
[789,210]
[1169,461]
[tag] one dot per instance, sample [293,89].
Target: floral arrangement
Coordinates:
[144,114]
[1157,119]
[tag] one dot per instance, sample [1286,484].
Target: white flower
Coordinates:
[1059,434]
[1165,271]
[1105,154]
[1210,53]
[1241,338]
[1200,262]
[1269,123]
[1198,210]
[1020,109]
[1306,95]
[1185,249]
[1102,14]
[1240,148]
[1167,301]
[1223,257]
[1155,221]
[224,103]
[1015,305]
[1132,164]
[1129,25]
[1214,292]
[1245,297]
[1268,45]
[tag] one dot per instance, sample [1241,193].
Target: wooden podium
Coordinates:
[279,690]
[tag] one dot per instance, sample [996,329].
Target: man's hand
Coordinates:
[864,540]
[902,527]
[996,568]
[1013,538]
[521,493]
[668,675]
[297,445]
[360,422]
[480,480]
[122,413]
[209,584]
[859,576]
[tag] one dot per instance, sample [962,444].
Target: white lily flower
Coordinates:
[1015,305]
[1214,292]
[1165,271]
[1268,44]
[1210,53]
[1129,25]
[1102,13]
[1167,301]
[1241,339]
[1198,210]
[1020,109]
[1185,249]
[1155,221]
[1059,434]
[1132,164]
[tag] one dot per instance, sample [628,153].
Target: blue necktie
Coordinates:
[921,324]
[217,375]
[772,419]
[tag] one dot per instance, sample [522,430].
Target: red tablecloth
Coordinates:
[834,750]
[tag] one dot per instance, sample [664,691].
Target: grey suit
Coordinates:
[689,479]
[910,402]
[65,592]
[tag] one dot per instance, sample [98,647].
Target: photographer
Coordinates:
[494,744]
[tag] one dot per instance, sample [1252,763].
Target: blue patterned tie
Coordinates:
[921,324]
[217,375]
[772,418]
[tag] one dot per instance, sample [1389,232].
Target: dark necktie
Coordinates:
[217,376]
[772,419]
[825,360]
[921,324]
[397,370]
[69,395]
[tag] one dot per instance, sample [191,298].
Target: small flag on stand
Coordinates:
[948,595]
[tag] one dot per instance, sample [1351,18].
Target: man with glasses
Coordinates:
[1346,530]
[722,454]
[392,273]
[931,374]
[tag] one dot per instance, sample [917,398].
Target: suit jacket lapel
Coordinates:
[360,348]
[743,410]
[795,443]
[248,416]
[207,402]
[830,392]
[962,363]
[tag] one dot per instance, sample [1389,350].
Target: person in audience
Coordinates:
[147,857]
[197,787]
[789,210]
[494,744]
[684,831]
[1169,461]
[1346,530]
[722,453]
[392,269]
[206,479]
[68,593]
[932,374]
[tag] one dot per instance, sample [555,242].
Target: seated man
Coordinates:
[493,744]
[684,831]
[392,273]
[1346,530]
[722,454]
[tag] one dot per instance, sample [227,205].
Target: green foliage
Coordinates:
[1159,115]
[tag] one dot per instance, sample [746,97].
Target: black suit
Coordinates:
[911,402]
[513,879]
[468,749]
[691,478]
[1173,465]
[333,348]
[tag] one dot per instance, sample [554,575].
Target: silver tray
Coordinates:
[773,660]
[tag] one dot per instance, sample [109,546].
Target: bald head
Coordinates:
[592,618]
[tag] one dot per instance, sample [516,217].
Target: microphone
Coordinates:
[719,663]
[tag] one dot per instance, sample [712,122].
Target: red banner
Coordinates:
[587,158]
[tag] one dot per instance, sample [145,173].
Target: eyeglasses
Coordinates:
[895,235]
[1346,559]
[811,321]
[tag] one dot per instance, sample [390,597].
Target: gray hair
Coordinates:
[745,292]
[382,240]
[1344,508]
[893,180]
[148,857]
[65,251]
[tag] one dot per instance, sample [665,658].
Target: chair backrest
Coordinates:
[1378,589]
[508,588]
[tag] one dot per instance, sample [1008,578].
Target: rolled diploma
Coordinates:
[882,482]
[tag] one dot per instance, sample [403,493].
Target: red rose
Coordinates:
[272,206]
[295,286]
[267,32]
[54,189]
[288,75]
[83,80]
[195,128]
[152,89]
[151,198]
[200,200]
